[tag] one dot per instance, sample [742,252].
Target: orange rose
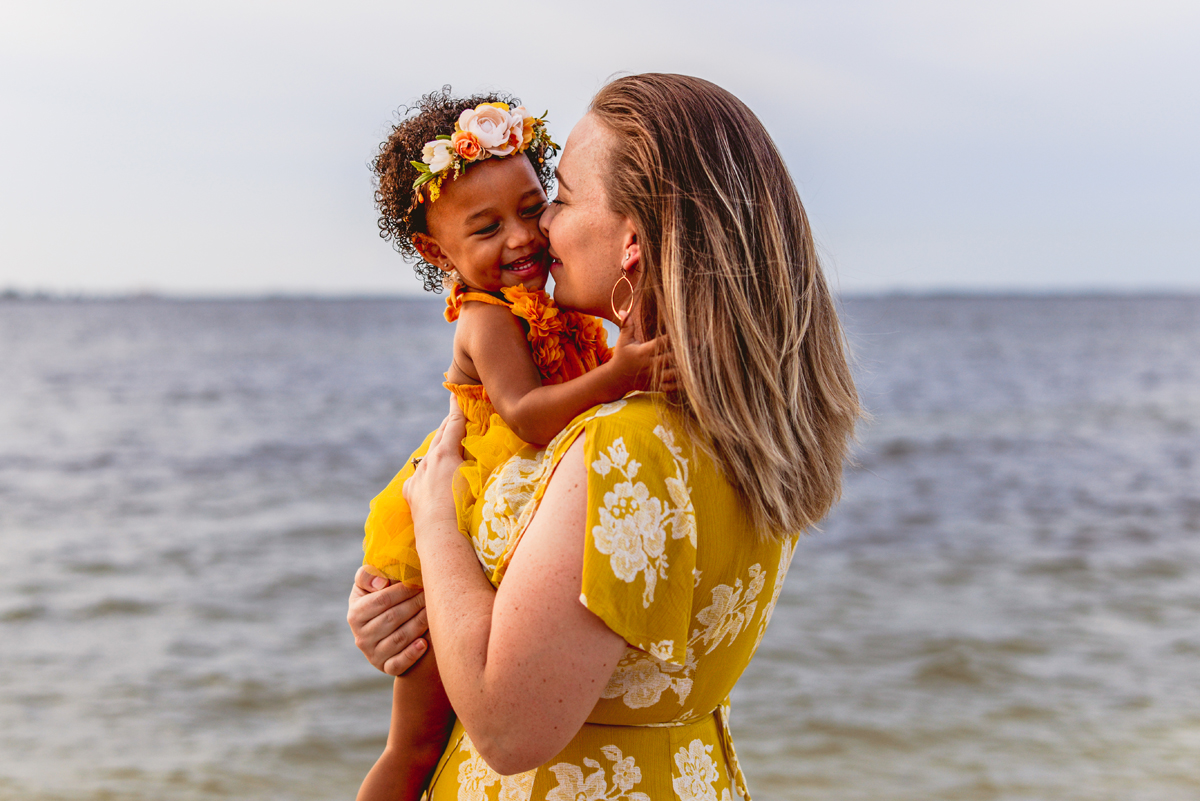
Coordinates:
[527,132]
[466,145]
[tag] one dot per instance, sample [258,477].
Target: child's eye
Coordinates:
[534,210]
[488,229]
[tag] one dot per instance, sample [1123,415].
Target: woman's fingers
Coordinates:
[624,333]
[447,440]
[454,427]
[399,664]
[367,581]
[437,436]
[368,604]
[398,651]
[376,618]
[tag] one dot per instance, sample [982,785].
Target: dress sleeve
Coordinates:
[640,548]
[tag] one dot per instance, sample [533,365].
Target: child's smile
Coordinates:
[529,267]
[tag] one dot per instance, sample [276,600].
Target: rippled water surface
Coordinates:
[1004,606]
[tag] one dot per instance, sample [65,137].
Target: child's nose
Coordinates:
[524,234]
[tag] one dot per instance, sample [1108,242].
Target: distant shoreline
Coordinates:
[42,296]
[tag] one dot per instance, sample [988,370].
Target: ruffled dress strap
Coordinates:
[460,294]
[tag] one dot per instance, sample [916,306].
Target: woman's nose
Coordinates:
[544,221]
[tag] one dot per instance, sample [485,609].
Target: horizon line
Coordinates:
[12,294]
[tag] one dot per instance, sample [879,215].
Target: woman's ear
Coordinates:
[632,252]
[431,251]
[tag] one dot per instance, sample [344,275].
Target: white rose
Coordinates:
[519,116]
[437,154]
[491,127]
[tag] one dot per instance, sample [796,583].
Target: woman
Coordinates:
[630,569]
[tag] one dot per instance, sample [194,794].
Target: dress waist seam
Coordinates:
[669,724]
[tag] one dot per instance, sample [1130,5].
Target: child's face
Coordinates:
[485,225]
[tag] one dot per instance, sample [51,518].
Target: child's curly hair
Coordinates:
[400,215]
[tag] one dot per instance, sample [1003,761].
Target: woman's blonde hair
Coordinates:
[731,276]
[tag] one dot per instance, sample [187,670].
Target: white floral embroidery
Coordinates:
[633,525]
[507,494]
[518,787]
[474,775]
[632,529]
[679,490]
[786,552]
[574,786]
[604,410]
[641,679]
[698,775]
[730,610]
[663,650]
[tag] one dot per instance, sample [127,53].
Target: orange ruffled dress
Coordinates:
[564,345]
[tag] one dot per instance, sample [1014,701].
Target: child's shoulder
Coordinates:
[479,319]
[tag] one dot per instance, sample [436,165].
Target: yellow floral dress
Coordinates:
[672,566]
[564,345]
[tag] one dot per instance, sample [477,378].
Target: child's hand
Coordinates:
[634,364]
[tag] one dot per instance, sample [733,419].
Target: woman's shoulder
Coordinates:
[636,411]
[641,420]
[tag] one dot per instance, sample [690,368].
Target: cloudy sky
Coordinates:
[222,147]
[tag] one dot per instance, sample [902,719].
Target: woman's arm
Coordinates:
[524,665]
[495,345]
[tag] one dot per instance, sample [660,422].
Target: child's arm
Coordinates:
[421,722]
[498,349]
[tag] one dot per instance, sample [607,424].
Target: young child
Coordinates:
[461,189]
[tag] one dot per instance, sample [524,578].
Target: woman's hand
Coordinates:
[429,492]
[387,622]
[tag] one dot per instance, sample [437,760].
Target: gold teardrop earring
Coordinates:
[612,298]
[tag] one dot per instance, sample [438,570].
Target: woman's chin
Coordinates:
[565,299]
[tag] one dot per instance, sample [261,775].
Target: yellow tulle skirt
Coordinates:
[389,547]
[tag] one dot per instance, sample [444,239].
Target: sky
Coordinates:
[222,148]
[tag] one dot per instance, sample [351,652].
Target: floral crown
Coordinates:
[490,130]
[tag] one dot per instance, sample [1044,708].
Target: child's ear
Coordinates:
[431,251]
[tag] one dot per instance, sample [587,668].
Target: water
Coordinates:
[1004,605]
